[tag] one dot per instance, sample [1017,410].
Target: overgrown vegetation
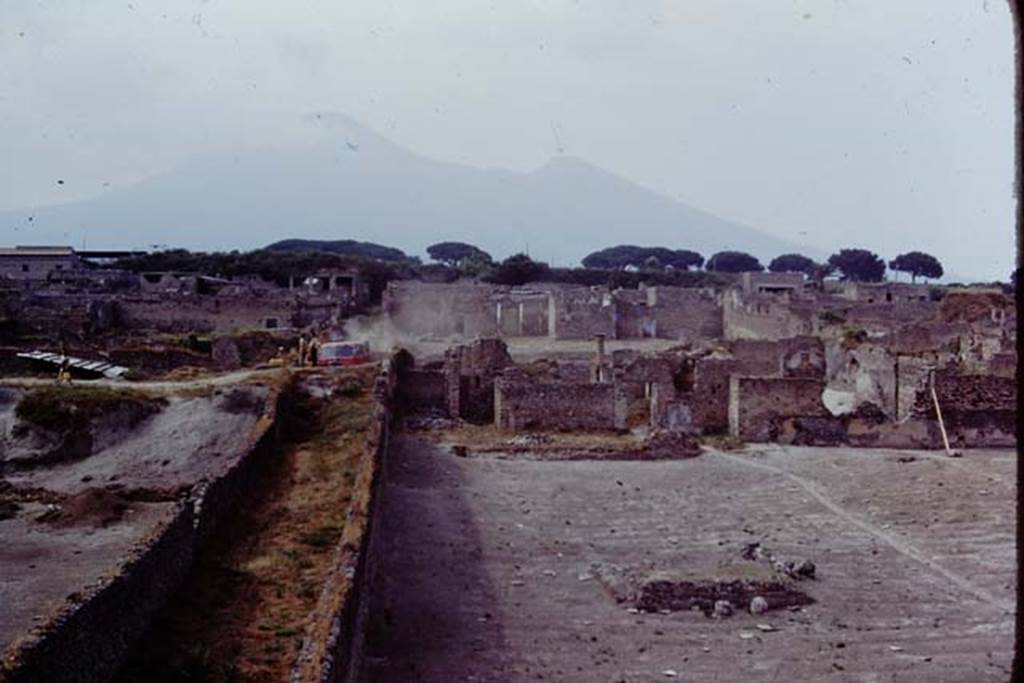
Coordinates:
[244,610]
[853,337]
[68,408]
[365,250]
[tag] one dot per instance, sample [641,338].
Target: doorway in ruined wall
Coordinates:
[476,399]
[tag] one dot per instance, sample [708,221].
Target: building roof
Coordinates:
[22,251]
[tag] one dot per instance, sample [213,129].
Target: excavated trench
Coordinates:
[242,611]
[675,596]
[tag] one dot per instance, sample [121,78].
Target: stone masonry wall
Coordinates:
[523,403]
[469,372]
[581,313]
[757,404]
[685,313]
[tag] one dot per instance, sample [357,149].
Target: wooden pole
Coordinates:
[938,413]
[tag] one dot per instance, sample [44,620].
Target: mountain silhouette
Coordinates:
[355,184]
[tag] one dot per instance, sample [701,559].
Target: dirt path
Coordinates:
[213,380]
[497,570]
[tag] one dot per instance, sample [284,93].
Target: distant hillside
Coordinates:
[346,247]
[358,186]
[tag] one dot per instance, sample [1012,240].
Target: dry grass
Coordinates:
[244,612]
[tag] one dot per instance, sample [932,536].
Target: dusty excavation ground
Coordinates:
[92,471]
[89,473]
[501,568]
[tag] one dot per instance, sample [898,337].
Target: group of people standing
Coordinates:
[309,350]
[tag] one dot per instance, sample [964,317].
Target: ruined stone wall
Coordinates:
[795,357]
[758,404]
[91,634]
[442,310]
[765,317]
[581,313]
[977,409]
[522,402]
[632,318]
[522,313]
[469,374]
[685,313]
[886,314]
[920,337]
[199,313]
[79,311]
[710,398]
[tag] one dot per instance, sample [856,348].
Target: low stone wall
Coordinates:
[91,634]
[523,403]
[979,412]
[756,404]
[333,646]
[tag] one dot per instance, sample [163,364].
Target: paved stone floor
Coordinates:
[491,567]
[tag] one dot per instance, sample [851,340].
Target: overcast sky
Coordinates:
[868,123]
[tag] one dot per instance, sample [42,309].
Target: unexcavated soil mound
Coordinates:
[59,424]
[972,306]
[664,445]
[97,507]
[241,400]
[655,596]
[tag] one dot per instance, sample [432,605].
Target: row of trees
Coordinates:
[621,266]
[850,264]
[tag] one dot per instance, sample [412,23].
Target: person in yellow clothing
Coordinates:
[64,373]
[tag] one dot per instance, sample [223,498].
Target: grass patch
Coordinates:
[63,409]
[853,337]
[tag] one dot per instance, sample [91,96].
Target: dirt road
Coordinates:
[497,570]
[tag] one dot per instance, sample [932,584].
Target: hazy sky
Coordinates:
[868,123]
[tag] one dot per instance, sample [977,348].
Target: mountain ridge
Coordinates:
[355,184]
